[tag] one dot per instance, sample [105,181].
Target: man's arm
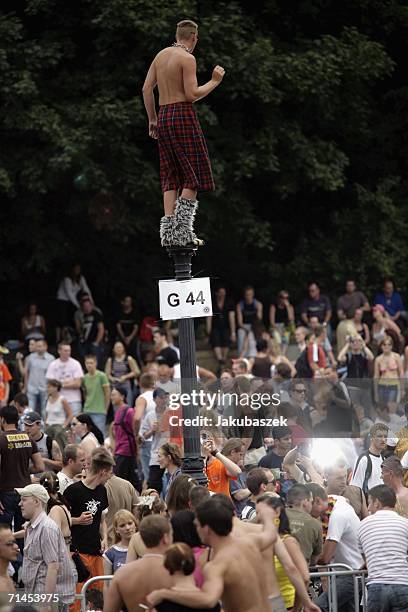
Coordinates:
[101,333]
[103,530]
[259,310]
[56,462]
[106,393]
[72,383]
[207,597]
[149,101]
[38,463]
[140,408]
[269,535]
[113,601]
[232,468]
[50,582]
[232,324]
[329,548]
[191,89]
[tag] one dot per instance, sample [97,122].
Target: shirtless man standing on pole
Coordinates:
[184,162]
[234,559]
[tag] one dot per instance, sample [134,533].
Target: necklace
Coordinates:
[182,46]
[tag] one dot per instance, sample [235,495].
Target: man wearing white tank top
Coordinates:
[143,406]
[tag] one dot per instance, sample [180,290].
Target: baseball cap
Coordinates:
[34,490]
[159,392]
[32,417]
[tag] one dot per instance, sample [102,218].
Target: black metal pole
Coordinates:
[193,463]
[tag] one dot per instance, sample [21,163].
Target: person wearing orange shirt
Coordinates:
[5,378]
[218,468]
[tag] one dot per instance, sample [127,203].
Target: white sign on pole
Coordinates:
[185,299]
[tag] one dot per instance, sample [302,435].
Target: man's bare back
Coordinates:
[132,582]
[169,74]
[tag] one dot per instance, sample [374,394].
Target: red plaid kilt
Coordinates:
[184,160]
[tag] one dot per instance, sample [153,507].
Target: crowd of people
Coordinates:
[303,439]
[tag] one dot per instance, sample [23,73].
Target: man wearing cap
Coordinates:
[16,450]
[392,474]
[48,448]
[47,567]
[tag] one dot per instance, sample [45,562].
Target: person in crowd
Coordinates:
[57,409]
[32,324]
[73,463]
[341,546]
[56,507]
[122,369]
[170,460]
[306,528]
[35,382]
[356,356]
[392,474]
[69,290]
[315,304]
[317,329]
[362,328]
[240,367]
[336,476]
[277,359]
[184,530]
[233,558]
[94,600]
[5,379]
[90,329]
[127,324]
[320,500]
[126,450]
[96,393]
[392,302]
[88,434]
[47,447]
[9,551]
[20,401]
[121,496]
[155,426]
[162,348]
[383,542]
[300,334]
[147,505]
[16,452]
[367,470]
[388,374]
[124,526]
[69,373]
[316,356]
[47,566]
[352,299]
[384,326]
[282,443]
[281,313]
[165,379]
[221,327]
[234,449]
[298,398]
[144,404]
[180,562]
[135,580]
[345,329]
[248,310]
[259,480]
[260,366]
[218,468]
[87,500]
[178,496]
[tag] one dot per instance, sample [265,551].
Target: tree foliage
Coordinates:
[306,134]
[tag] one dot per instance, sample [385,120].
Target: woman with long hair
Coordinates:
[169,456]
[178,493]
[90,436]
[71,287]
[122,370]
[57,508]
[388,374]
[384,326]
[124,527]
[32,324]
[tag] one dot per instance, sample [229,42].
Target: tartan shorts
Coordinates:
[183,153]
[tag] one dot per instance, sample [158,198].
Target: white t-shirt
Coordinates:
[375,478]
[150,407]
[383,539]
[64,481]
[343,529]
[66,370]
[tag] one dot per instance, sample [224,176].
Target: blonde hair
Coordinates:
[185,29]
[120,516]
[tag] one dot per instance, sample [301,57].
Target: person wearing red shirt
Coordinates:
[315,352]
[219,469]
[5,378]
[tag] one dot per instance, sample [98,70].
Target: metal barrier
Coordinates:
[331,572]
[81,596]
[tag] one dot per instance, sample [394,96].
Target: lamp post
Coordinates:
[193,463]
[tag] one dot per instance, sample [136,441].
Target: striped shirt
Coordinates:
[44,544]
[383,539]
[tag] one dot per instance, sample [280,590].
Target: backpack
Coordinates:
[303,369]
[368,472]
[145,332]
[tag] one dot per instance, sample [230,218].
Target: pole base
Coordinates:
[194,467]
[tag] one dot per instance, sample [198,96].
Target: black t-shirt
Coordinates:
[169,606]
[128,320]
[89,328]
[169,355]
[220,318]
[16,450]
[86,538]
[271,460]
